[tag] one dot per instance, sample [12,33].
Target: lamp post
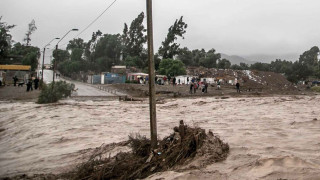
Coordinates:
[44,50]
[54,65]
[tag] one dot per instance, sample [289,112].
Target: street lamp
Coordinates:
[54,65]
[44,50]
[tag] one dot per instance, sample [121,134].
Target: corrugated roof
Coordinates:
[15,67]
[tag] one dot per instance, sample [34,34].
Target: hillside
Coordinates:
[236,59]
[268,58]
[250,59]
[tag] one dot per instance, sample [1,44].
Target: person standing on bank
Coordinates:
[238,87]
[191,88]
[29,85]
[36,83]
[15,79]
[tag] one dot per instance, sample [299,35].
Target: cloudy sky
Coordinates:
[233,27]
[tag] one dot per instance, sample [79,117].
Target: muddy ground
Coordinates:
[182,91]
[18,93]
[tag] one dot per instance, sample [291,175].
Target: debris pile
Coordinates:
[180,148]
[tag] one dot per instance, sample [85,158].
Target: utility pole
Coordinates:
[152,93]
[55,60]
[54,64]
[44,51]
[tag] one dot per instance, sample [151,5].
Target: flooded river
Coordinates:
[269,137]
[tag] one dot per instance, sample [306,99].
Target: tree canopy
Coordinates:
[31,28]
[134,38]
[171,67]
[5,38]
[169,47]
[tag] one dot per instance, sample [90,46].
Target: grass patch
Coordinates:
[316,89]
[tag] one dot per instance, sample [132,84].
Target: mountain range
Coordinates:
[251,59]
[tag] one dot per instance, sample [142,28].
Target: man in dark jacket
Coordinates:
[15,80]
[36,83]
[238,87]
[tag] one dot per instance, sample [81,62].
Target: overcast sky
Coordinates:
[233,27]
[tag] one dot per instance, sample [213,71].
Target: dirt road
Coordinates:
[84,89]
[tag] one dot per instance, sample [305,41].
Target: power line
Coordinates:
[92,21]
[96,18]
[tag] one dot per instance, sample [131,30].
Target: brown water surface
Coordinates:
[270,137]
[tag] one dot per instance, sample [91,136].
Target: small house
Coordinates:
[22,72]
[136,76]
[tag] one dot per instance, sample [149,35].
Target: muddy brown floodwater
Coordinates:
[269,137]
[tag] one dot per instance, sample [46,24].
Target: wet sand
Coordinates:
[270,137]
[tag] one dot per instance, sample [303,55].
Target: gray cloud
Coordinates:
[230,26]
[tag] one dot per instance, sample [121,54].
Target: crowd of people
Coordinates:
[193,83]
[30,83]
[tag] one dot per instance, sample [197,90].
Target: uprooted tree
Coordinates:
[180,148]
[55,91]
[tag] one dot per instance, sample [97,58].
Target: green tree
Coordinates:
[157,61]
[280,66]
[236,67]
[171,67]
[31,28]
[76,44]
[91,45]
[77,47]
[107,51]
[60,55]
[197,55]
[210,59]
[224,64]
[310,57]
[186,56]
[260,66]
[134,38]
[29,55]
[31,59]
[5,39]
[310,62]
[169,48]
[244,66]
[134,62]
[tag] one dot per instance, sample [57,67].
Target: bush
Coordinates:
[55,91]
[316,89]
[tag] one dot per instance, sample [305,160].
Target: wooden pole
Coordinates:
[152,99]
[54,63]
[44,50]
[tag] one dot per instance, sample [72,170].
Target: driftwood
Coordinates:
[177,149]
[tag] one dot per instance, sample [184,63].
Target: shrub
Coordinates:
[55,91]
[316,89]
